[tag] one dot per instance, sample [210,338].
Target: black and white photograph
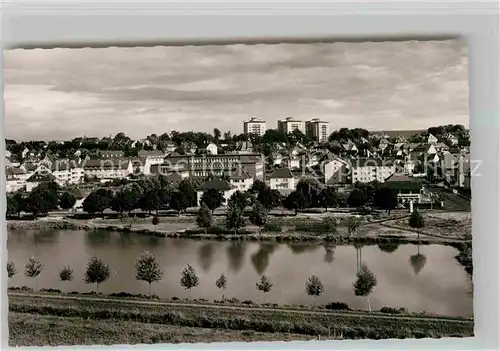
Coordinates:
[238,193]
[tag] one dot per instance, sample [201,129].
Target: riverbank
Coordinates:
[240,323]
[293,229]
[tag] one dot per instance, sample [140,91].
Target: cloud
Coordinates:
[390,85]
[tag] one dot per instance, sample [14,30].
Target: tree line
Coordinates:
[149,270]
[155,193]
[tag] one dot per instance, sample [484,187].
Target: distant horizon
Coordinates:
[180,131]
[54,94]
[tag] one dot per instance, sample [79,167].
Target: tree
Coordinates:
[41,200]
[353,224]
[258,187]
[217,134]
[357,198]
[213,198]
[234,219]
[178,202]
[239,199]
[155,221]
[148,269]
[270,198]
[258,216]
[152,199]
[364,284]
[11,269]
[296,200]
[221,283]
[327,197]
[66,274]
[126,199]
[33,268]
[386,198]
[314,287]
[204,217]
[416,221]
[97,272]
[67,200]
[15,205]
[264,285]
[97,201]
[189,279]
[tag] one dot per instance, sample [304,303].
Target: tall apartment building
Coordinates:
[254,126]
[288,125]
[317,129]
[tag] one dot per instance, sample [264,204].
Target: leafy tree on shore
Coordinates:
[67,200]
[15,204]
[356,198]
[296,200]
[264,285]
[33,268]
[178,202]
[270,198]
[11,269]
[97,272]
[353,224]
[148,269]
[189,279]
[66,274]
[314,287]
[221,283]
[258,216]
[386,198]
[327,197]
[155,221]
[239,199]
[152,199]
[204,217]
[364,284]
[98,201]
[416,221]
[235,219]
[213,198]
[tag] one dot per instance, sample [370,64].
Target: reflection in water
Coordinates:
[205,256]
[236,255]
[298,248]
[126,239]
[418,261]
[46,236]
[98,237]
[388,247]
[260,259]
[329,251]
[444,289]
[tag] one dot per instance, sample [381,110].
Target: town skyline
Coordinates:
[59,94]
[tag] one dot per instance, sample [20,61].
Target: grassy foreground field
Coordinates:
[90,320]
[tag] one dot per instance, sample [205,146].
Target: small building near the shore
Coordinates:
[407,188]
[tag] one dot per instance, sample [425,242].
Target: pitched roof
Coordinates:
[281,174]
[367,162]
[145,153]
[217,184]
[11,171]
[41,177]
[403,182]
[106,164]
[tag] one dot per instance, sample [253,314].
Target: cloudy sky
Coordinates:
[64,93]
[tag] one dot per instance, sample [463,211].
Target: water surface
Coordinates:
[436,283]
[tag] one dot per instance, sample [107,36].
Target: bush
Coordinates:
[392,310]
[326,226]
[51,290]
[273,227]
[337,306]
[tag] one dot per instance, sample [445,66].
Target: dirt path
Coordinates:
[238,308]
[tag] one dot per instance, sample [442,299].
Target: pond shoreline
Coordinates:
[199,234]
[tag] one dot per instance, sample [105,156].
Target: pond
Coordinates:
[434,282]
